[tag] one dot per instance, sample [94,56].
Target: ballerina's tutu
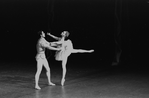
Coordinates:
[60,55]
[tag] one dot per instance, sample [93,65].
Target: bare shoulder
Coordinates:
[43,42]
[69,41]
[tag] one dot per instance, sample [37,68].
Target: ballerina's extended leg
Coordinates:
[82,51]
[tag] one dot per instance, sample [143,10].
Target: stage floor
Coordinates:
[79,84]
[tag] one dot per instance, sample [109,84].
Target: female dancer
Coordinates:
[41,59]
[66,50]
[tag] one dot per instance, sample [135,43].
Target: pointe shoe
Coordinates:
[91,50]
[37,87]
[62,82]
[52,84]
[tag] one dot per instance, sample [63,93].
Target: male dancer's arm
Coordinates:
[52,48]
[47,45]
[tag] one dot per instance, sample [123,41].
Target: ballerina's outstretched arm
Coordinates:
[57,38]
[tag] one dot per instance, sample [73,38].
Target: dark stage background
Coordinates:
[116,29]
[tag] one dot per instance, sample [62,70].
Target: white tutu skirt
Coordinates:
[60,55]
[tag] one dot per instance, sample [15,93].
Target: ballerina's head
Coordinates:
[65,34]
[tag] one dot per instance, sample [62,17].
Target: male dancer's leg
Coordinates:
[39,68]
[46,65]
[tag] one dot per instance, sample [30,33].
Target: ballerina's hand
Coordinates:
[48,33]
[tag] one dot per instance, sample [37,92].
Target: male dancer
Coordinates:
[66,50]
[41,59]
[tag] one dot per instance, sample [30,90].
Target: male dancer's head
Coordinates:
[41,33]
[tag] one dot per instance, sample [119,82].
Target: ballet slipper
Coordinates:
[52,84]
[37,87]
[91,51]
[62,82]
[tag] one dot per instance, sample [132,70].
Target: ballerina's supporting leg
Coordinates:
[64,62]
